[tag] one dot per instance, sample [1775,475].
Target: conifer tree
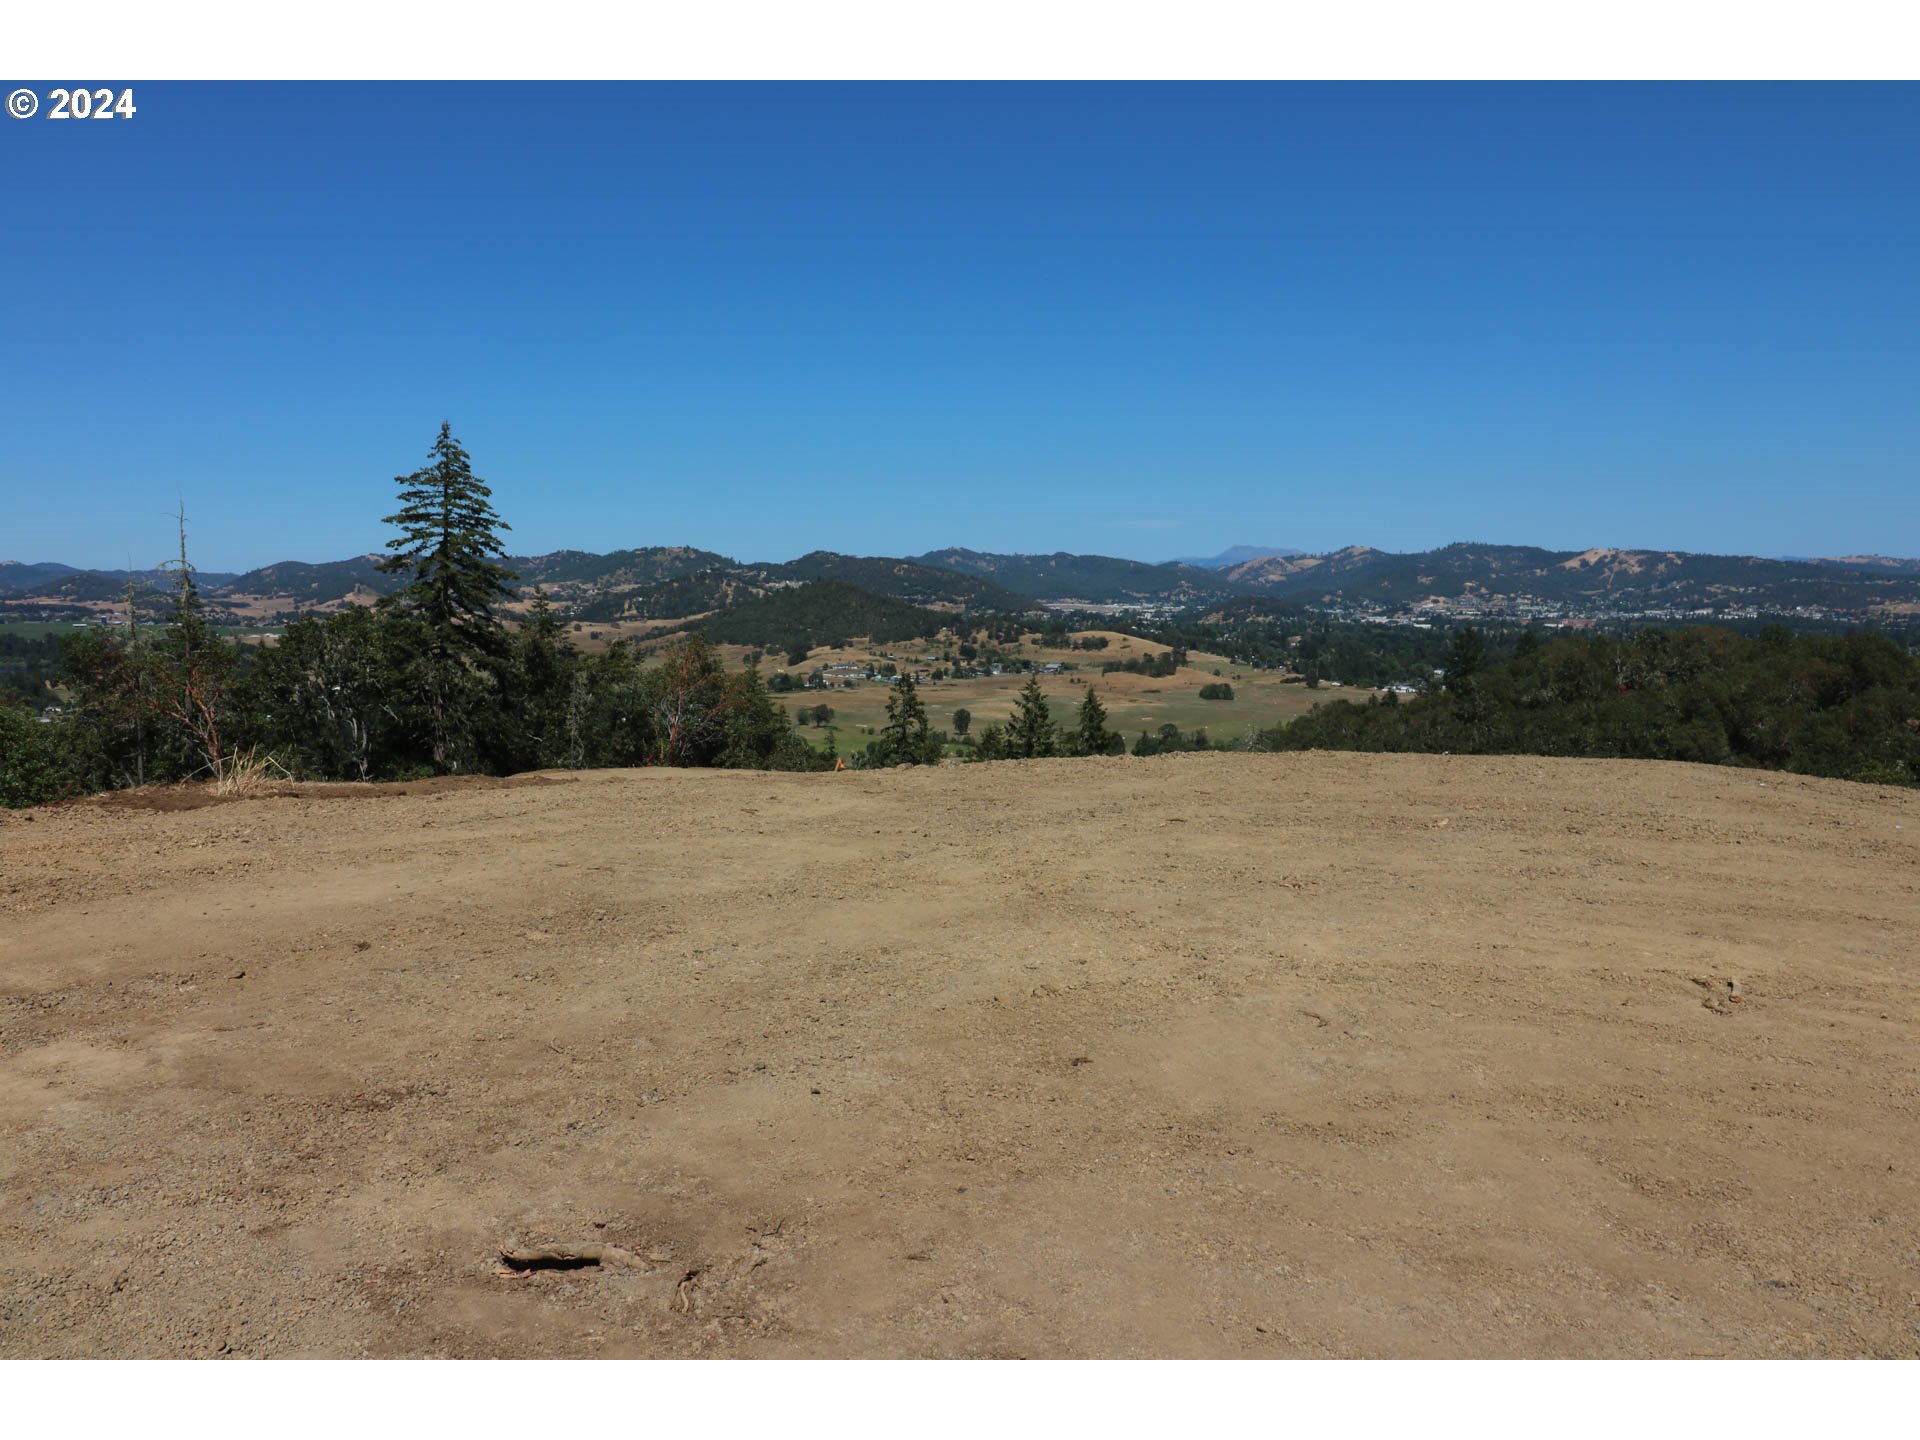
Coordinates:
[1030,734]
[1465,656]
[905,736]
[1091,736]
[448,541]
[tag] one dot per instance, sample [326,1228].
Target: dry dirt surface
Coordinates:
[1305,1055]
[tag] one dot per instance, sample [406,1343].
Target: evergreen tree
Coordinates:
[962,719]
[1465,655]
[448,541]
[1030,734]
[1091,736]
[905,738]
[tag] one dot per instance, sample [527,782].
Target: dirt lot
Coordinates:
[1201,1055]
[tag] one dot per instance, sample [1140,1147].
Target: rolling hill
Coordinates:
[729,584]
[1268,572]
[1239,555]
[18,575]
[620,569]
[680,597]
[310,585]
[821,612]
[914,581]
[1601,578]
[1097,579]
[1871,562]
[54,582]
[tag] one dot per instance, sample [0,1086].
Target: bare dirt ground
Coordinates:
[1200,1055]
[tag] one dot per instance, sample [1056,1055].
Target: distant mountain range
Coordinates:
[51,577]
[681,582]
[1872,562]
[1238,555]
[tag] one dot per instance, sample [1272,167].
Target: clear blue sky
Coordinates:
[1152,320]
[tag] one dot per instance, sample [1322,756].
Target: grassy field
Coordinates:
[36,629]
[39,629]
[1133,702]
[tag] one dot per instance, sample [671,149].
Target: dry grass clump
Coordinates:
[248,773]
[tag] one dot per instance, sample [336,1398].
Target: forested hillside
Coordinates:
[313,585]
[1611,579]
[824,612]
[1840,706]
[1097,579]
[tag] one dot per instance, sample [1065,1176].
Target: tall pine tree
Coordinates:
[1091,736]
[906,738]
[1030,734]
[448,540]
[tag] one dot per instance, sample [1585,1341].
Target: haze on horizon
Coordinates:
[1151,321]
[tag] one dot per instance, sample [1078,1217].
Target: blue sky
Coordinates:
[1144,320]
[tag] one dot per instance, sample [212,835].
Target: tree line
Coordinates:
[432,680]
[1843,706]
[429,681]
[1029,733]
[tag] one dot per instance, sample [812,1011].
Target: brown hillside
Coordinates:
[1206,1055]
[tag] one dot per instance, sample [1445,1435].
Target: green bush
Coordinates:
[35,764]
